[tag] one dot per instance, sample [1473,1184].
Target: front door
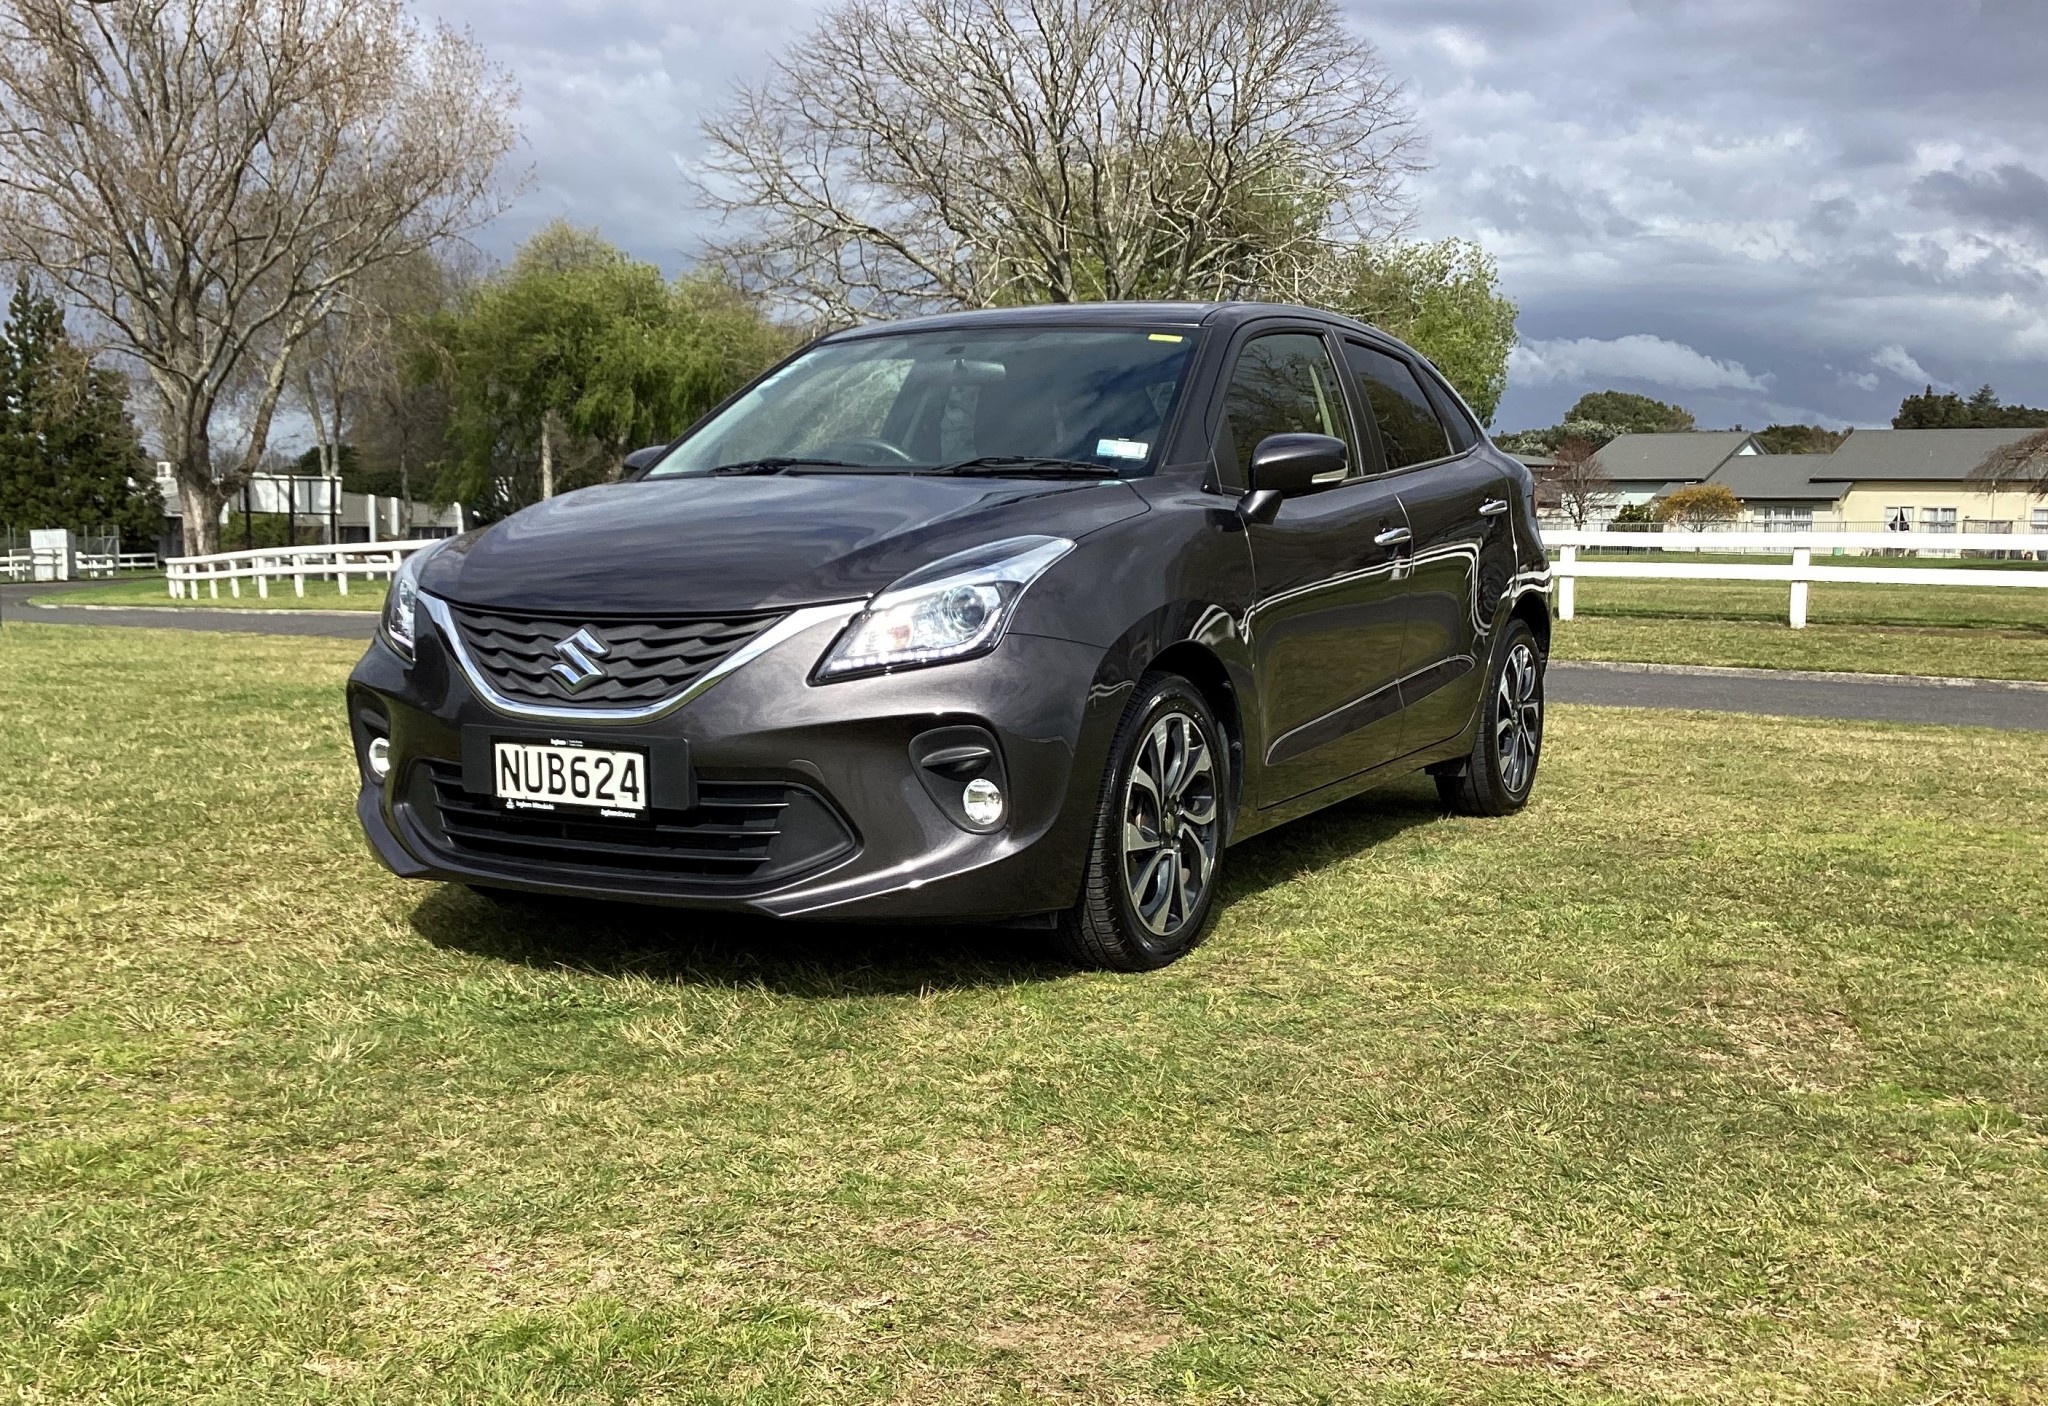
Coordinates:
[1328,629]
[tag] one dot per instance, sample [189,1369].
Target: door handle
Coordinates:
[1493,507]
[1392,537]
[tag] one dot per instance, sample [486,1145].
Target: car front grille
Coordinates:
[642,661]
[738,835]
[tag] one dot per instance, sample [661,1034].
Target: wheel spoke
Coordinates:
[1139,840]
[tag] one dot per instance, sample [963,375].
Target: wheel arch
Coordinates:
[1533,609]
[1203,668]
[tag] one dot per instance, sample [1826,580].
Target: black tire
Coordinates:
[1497,778]
[1137,912]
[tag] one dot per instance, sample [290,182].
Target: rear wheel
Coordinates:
[1497,778]
[1159,830]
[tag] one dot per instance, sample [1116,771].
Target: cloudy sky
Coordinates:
[1767,210]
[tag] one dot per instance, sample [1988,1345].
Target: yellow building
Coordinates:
[1885,480]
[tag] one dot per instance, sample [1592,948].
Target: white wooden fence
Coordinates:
[1800,573]
[263,565]
[23,565]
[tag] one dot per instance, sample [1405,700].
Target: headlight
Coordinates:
[955,608]
[402,603]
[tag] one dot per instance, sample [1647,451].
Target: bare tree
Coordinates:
[2021,465]
[1574,475]
[207,177]
[912,154]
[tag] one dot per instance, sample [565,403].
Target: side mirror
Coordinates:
[1289,465]
[641,460]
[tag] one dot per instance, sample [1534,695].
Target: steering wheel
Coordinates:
[889,452]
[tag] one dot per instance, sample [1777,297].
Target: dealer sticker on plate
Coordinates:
[545,775]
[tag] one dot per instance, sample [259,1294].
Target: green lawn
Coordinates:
[1980,632]
[1720,1074]
[320,595]
[1862,649]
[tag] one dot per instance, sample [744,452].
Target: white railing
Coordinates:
[46,565]
[1800,572]
[111,563]
[185,575]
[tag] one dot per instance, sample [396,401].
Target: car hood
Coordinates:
[733,545]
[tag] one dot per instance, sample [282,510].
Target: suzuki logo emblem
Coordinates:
[579,667]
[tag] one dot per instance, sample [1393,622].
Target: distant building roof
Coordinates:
[1944,455]
[1687,457]
[1807,478]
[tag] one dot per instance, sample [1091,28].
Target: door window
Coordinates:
[1409,427]
[1284,383]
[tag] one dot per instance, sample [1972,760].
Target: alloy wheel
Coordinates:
[1518,718]
[1172,823]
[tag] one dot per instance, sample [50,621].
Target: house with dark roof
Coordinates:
[1644,466]
[1921,480]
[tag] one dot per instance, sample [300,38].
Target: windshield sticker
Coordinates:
[1123,448]
[1165,337]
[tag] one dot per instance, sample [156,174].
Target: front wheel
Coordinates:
[1497,778]
[1159,832]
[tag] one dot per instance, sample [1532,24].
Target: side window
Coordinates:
[1458,424]
[1409,428]
[1284,383]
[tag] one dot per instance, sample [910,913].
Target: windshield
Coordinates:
[1093,398]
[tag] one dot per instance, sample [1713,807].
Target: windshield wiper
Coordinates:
[1022,466]
[776,464]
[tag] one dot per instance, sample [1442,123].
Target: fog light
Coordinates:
[982,801]
[380,757]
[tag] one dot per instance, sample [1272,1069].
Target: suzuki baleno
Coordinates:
[1024,615]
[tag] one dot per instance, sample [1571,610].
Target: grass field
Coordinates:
[1863,649]
[320,595]
[1720,1074]
[1983,633]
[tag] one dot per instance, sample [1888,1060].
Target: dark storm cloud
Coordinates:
[2010,197]
[1783,208]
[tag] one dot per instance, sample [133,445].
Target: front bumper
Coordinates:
[860,833]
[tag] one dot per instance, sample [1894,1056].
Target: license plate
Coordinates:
[550,775]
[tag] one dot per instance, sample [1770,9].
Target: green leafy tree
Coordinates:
[1595,433]
[1800,439]
[1631,414]
[1949,411]
[577,354]
[1443,299]
[69,454]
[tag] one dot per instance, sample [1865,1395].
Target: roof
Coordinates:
[1126,314]
[1940,455]
[1689,456]
[1801,477]
[1115,314]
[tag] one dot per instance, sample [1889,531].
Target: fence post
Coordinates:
[1802,559]
[1567,584]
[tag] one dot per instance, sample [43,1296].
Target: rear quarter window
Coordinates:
[1410,428]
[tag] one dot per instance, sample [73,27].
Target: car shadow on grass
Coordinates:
[860,959]
[734,950]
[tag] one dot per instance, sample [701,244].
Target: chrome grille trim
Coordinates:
[788,627]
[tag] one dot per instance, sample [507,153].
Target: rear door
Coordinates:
[1455,498]
[1328,630]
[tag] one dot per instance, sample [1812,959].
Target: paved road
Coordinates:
[358,625]
[1958,703]
[1783,694]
